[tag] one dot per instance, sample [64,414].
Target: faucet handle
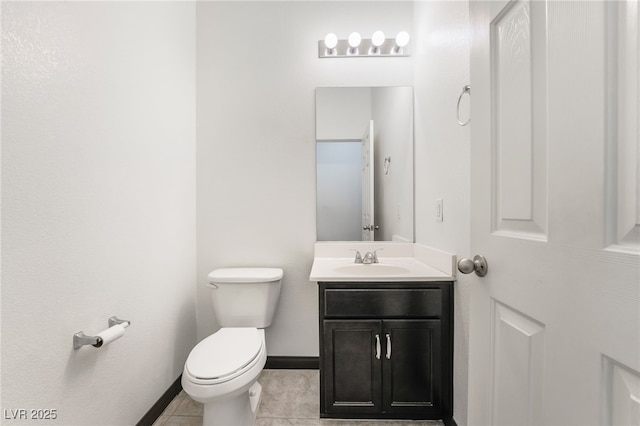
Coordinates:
[375,255]
[358,258]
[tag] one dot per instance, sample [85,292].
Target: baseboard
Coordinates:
[162,403]
[448,421]
[292,363]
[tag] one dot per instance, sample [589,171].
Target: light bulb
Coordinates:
[354,39]
[377,39]
[330,41]
[402,39]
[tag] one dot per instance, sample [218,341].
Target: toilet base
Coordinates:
[240,410]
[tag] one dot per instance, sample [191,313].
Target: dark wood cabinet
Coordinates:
[353,375]
[386,350]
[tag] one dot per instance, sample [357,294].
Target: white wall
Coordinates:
[98,212]
[256,140]
[442,154]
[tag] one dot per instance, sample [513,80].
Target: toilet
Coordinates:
[222,370]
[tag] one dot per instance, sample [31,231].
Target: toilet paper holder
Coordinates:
[80,339]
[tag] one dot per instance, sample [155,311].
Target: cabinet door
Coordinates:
[352,372]
[412,367]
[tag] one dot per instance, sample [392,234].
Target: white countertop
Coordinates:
[397,262]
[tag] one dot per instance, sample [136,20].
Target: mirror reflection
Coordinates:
[364,164]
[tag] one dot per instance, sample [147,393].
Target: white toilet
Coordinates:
[221,372]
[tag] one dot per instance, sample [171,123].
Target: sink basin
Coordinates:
[372,269]
[400,262]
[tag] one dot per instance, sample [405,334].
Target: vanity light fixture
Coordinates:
[356,47]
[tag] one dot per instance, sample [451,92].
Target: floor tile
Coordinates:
[368,422]
[184,421]
[269,421]
[289,398]
[290,394]
[171,408]
[160,421]
[188,407]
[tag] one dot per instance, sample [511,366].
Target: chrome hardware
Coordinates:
[115,320]
[478,265]
[370,257]
[80,339]
[366,48]
[465,89]
[358,257]
[377,346]
[371,227]
[387,163]
[388,346]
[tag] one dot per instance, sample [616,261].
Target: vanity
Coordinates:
[386,331]
[386,328]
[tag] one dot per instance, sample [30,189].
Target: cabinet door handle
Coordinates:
[388,346]
[377,346]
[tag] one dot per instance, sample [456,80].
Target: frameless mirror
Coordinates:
[364,164]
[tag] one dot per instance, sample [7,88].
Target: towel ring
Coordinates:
[465,89]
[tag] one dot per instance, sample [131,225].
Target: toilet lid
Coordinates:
[224,353]
[245,275]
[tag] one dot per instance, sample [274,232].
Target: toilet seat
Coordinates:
[224,355]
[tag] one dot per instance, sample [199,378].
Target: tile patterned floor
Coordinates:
[289,398]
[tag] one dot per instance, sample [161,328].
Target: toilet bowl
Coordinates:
[221,372]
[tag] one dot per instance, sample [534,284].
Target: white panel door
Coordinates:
[368,214]
[555,323]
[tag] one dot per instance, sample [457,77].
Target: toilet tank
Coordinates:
[245,297]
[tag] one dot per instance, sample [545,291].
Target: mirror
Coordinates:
[364,164]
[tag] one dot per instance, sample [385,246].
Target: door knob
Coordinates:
[478,265]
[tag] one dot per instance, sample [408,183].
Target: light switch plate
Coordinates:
[439,212]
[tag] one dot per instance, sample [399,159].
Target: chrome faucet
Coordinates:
[370,257]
